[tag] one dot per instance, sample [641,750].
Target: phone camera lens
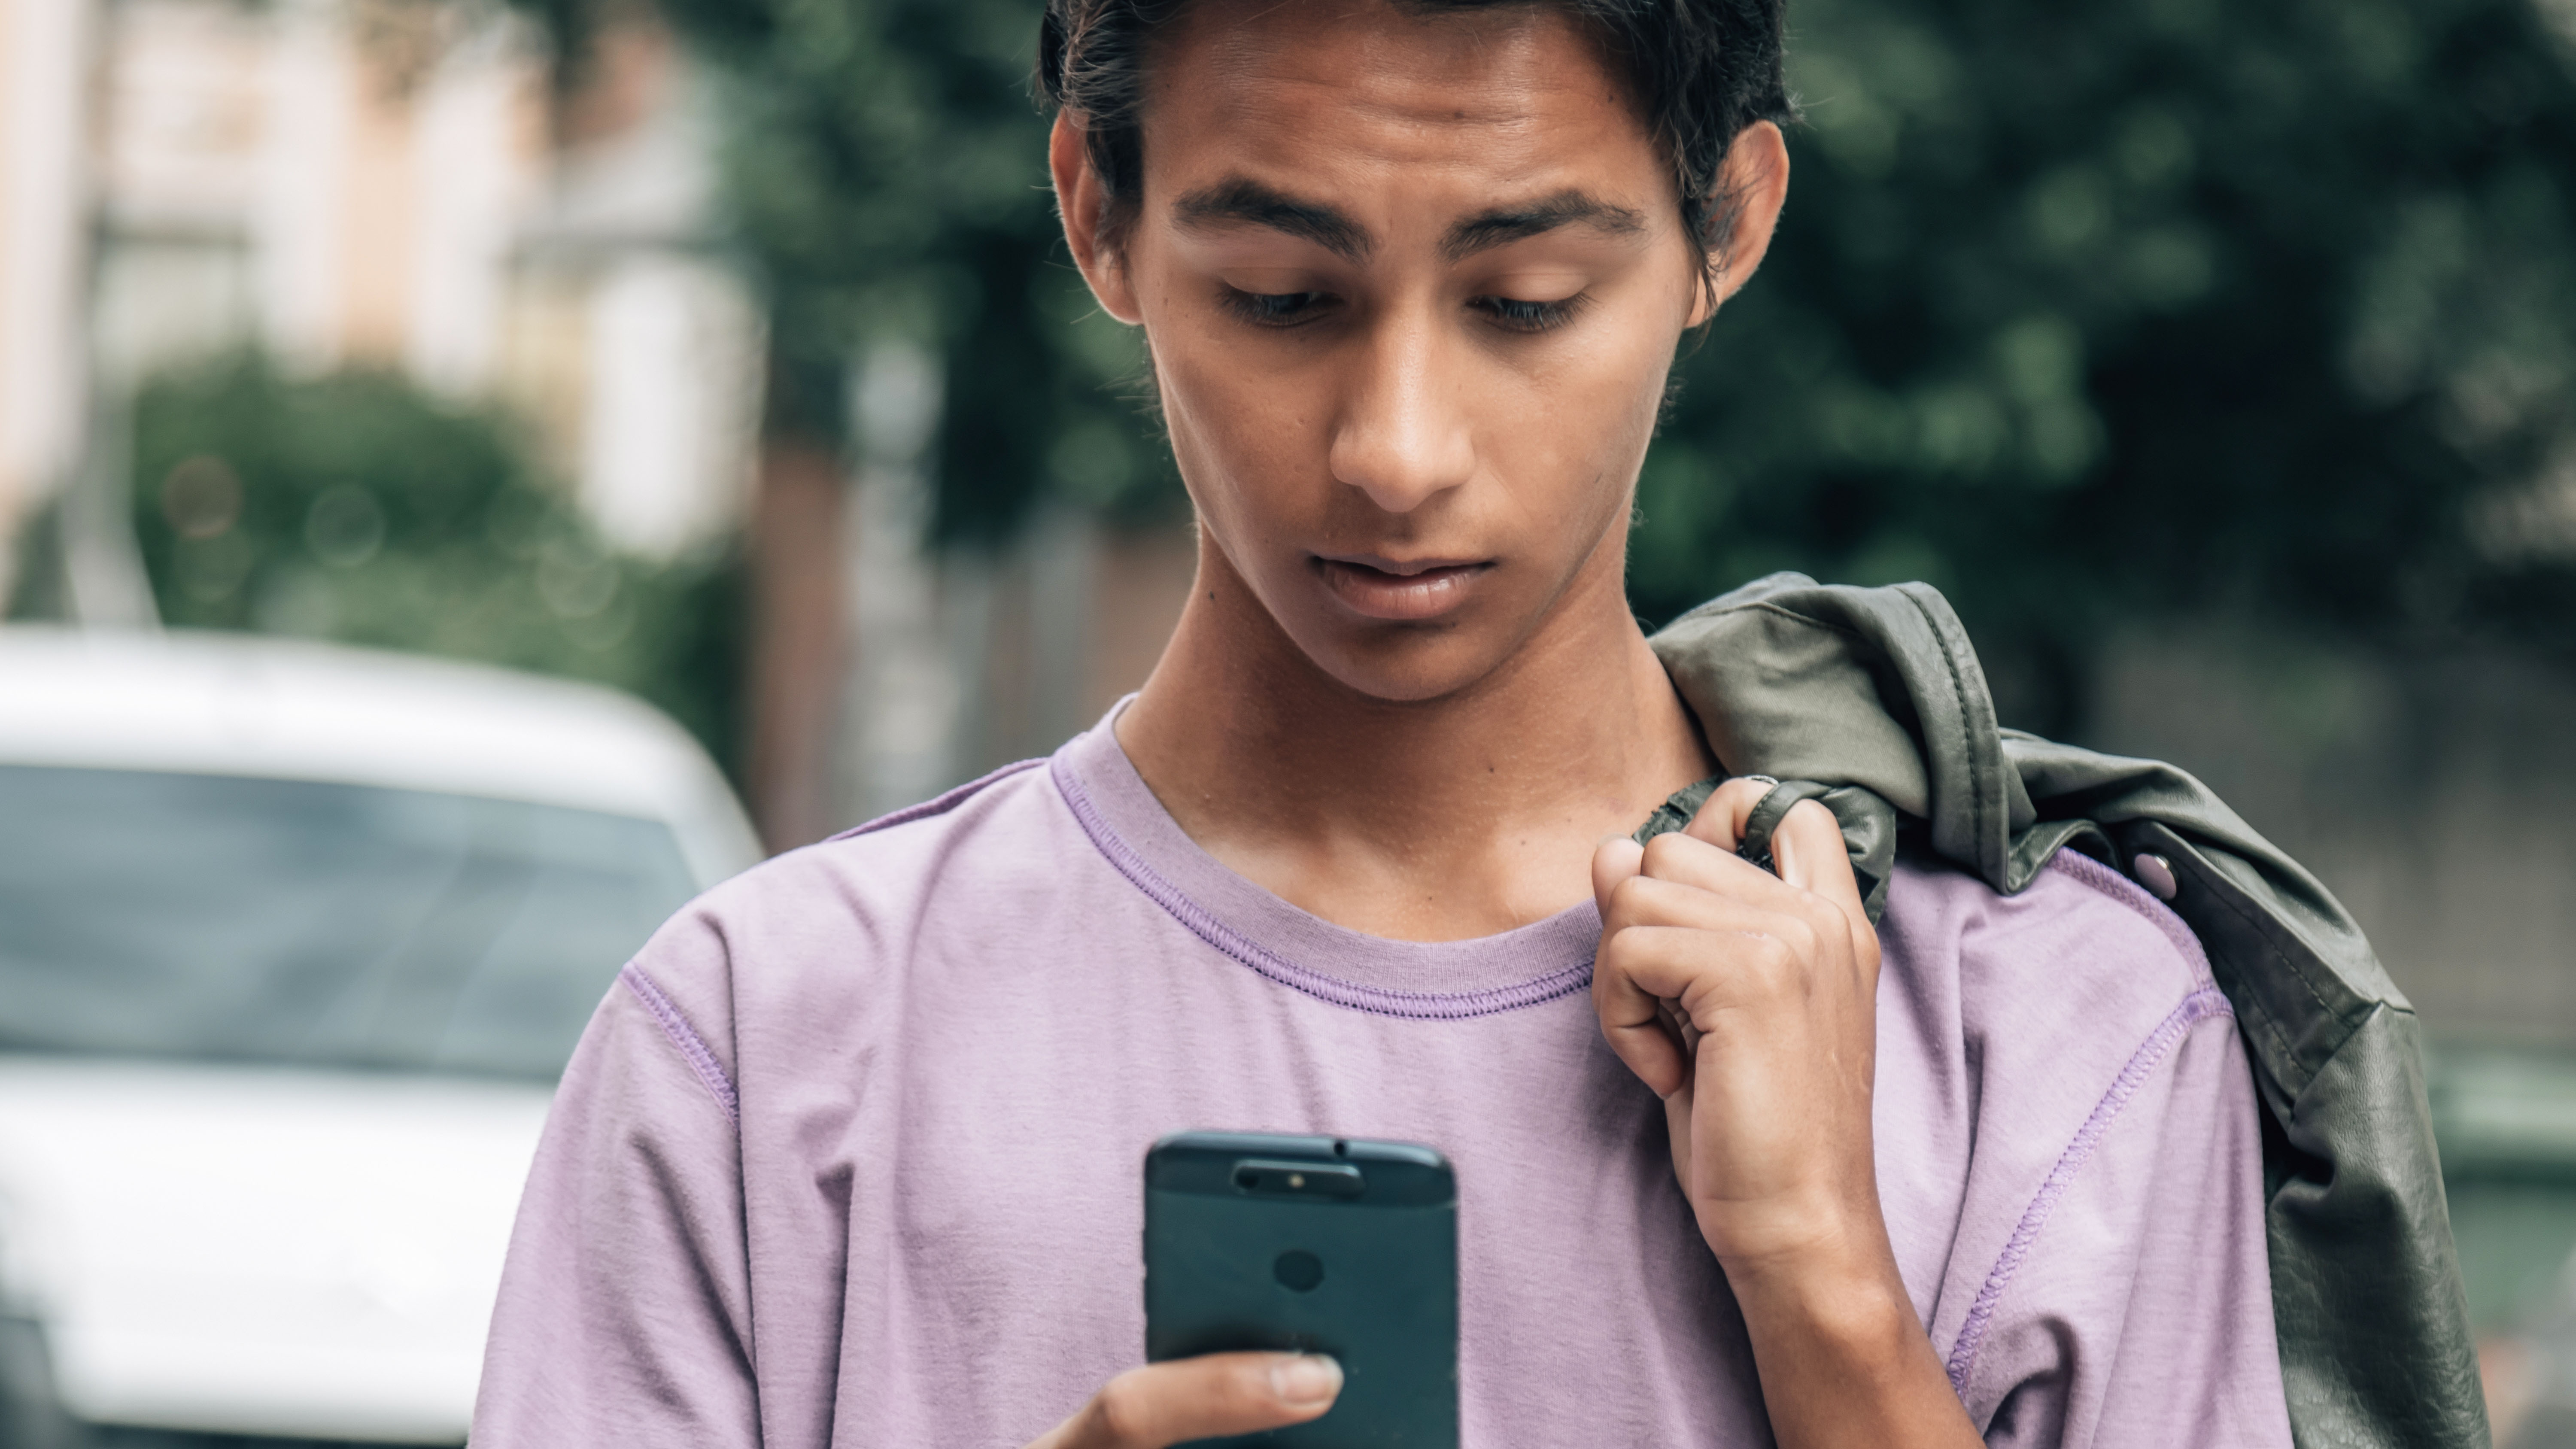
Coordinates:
[1298,1270]
[1248,1180]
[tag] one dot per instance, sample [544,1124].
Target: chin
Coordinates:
[1415,666]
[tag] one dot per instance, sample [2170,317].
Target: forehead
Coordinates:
[1509,95]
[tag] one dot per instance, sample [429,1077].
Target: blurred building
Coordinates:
[420,185]
[931,666]
[407,184]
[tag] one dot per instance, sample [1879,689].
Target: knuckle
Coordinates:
[1667,850]
[1774,952]
[1822,920]
[1741,793]
[1610,958]
[1799,934]
[1616,963]
[1607,991]
[1123,1412]
[1629,896]
[1776,967]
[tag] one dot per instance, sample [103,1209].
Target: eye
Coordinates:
[1275,309]
[1516,315]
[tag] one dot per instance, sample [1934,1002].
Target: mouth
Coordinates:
[1403,590]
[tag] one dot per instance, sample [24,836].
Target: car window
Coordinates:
[205,916]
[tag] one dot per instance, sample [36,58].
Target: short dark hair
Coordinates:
[1700,71]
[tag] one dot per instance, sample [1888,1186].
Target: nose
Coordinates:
[1402,437]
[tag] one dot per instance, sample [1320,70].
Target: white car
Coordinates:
[294,942]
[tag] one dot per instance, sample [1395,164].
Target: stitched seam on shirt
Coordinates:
[938,806]
[1419,1006]
[693,1048]
[2110,882]
[2199,1006]
[2265,929]
[2106,881]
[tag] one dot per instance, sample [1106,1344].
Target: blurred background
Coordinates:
[2219,362]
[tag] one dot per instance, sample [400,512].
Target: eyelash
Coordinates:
[1291,309]
[1519,316]
[1272,309]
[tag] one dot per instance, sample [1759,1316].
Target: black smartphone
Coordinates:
[1319,1245]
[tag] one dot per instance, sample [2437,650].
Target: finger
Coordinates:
[1615,859]
[1721,818]
[1806,847]
[1677,1127]
[1632,1020]
[1208,1397]
[1701,974]
[1649,900]
[1692,861]
[1809,849]
[1708,973]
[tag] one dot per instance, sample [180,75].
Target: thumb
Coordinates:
[1614,861]
[1213,1396]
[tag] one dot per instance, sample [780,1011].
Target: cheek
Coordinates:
[1246,437]
[1572,438]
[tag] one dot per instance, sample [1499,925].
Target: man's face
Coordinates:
[1412,284]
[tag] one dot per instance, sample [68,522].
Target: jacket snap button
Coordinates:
[2156,874]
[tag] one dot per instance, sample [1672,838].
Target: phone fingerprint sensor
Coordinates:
[1298,1270]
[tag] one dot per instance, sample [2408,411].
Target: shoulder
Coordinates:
[2005,1021]
[2086,1112]
[2080,953]
[2035,1017]
[810,936]
[878,877]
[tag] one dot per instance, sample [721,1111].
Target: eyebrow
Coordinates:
[1243,201]
[1247,202]
[1505,225]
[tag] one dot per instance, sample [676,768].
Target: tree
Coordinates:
[2088,314]
[355,507]
[2110,312]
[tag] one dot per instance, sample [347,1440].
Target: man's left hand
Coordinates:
[1748,1002]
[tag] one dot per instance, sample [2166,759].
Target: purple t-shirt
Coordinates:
[851,1153]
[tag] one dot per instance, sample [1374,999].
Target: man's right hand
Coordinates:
[1200,1398]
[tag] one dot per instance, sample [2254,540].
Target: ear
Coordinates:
[1756,183]
[1080,200]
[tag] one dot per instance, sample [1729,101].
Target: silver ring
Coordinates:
[1765,779]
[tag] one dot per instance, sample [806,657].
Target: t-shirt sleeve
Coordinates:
[2138,1309]
[624,1310]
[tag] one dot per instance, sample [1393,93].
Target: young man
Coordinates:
[851,1154]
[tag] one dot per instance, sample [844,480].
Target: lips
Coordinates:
[1402,590]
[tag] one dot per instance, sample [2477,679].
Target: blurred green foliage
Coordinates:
[2088,314]
[355,507]
[2095,314]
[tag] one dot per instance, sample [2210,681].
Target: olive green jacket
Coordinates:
[1875,696]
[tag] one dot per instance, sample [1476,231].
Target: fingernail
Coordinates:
[1305,1378]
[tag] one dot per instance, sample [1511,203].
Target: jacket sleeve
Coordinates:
[2140,1311]
[624,1310]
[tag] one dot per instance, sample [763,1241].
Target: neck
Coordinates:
[1437,819]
